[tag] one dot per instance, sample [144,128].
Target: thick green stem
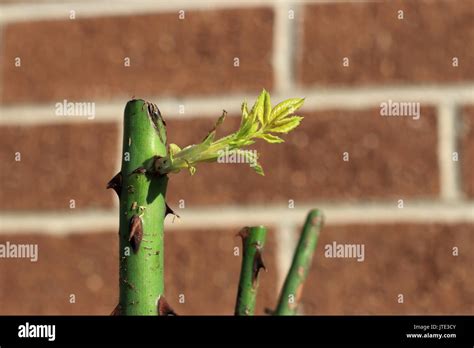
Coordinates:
[293,286]
[142,210]
[253,241]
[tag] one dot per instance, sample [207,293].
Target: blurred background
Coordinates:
[400,186]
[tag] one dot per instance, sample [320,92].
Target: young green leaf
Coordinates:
[259,123]
[259,106]
[267,108]
[286,125]
[173,149]
[245,114]
[286,108]
[258,169]
[270,138]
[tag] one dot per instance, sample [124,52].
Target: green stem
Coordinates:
[293,286]
[142,210]
[253,241]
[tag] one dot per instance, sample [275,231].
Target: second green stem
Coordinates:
[253,241]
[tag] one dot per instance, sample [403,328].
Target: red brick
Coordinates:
[383,49]
[199,264]
[84,58]
[414,260]
[466,142]
[58,163]
[83,265]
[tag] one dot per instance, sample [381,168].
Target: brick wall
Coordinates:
[345,58]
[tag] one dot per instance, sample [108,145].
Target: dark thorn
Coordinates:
[116,311]
[135,232]
[170,211]
[116,183]
[257,265]
[164,308]
[244,233]
[139,170]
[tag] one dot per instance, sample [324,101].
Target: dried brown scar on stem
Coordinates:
[116,183]
[164,308]
[135,232]
[244,233]
[155,112]
[116,311]
[154,115]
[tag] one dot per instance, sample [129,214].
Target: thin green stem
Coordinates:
[142,210]
[253,241]
[293,286]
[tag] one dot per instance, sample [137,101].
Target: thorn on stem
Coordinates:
[116,310]
[257,265]
[116,183]
[135,232]
[244,233]
[164,308]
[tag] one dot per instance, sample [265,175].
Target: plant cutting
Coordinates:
[148,161]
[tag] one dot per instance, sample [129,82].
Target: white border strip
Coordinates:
[236,217]
[87,9]
[60,10]
[316,99]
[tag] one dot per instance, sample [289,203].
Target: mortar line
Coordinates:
[282,52]
[286,243]
[449,176]
[417,212]
[316,99]
[2,62]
